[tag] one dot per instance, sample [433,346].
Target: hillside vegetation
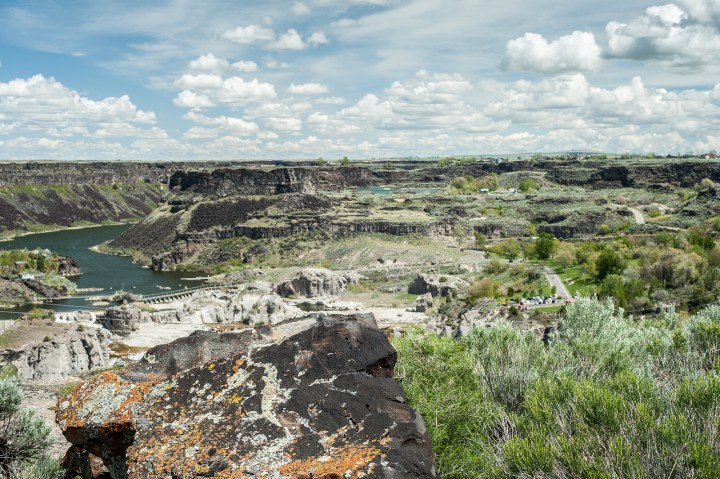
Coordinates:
[607,396]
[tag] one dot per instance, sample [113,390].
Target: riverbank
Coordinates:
[104,273]
[4,237]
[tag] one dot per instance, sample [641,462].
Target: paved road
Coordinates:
[639,218]
[554,280]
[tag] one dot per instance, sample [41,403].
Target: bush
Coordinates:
[606,397]
[24,438]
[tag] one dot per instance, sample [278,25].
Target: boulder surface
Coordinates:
[309,398]
[314,283]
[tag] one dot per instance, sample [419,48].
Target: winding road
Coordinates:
[639,218]
[554,280]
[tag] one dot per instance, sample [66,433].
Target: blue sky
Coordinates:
[182,79]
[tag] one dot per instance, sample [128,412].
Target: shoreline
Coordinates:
[64,228]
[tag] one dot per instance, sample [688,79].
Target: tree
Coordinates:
[484,288]
[345,161]
[24,438]
[509,247]
[528,184]
[491,182]
[609,262]
[480,240]
[544,245]
[564,254]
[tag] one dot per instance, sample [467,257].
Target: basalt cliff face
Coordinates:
[206,206]
[312,398]
[51,195]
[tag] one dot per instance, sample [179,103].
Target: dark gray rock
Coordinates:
[313,398]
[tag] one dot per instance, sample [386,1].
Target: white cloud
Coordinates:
[189,99]
[223,125]
[300,8]
[318,38]
[202,81]
[276,65]
[249,34]
[44,105]
[283,124]
[330,100]
[703,11]
[209,63]
[307,89]
[237,90]
[532,52]
[668,34]
[245,66]
[290,40]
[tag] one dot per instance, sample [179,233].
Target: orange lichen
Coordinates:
[348,461]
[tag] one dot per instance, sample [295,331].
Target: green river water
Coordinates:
[110,273]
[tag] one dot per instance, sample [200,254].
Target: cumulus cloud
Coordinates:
[277,65]
[290,40]
[207,90]
[532,52]
[299,8]
[209,63]
[249,34]
[330,100]
[283,124]
[237,90]
[307,89]
[44,105]
[245,66]
[202,81]
[669,34]
[706,12]
[223,125]
[189,99]
[318,38]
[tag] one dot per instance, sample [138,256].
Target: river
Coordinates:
[110,273]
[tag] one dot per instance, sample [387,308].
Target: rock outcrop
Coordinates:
[437,285]
[122,320]
[423,303]
[79,352]
[312,398]
[315,283]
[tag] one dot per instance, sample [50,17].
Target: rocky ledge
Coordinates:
[310,398]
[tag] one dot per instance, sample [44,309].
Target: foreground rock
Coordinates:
[312,398]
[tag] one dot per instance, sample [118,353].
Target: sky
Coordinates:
[233,80]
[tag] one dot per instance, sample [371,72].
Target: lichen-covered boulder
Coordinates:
[437,285]
[314,283]
[309,398]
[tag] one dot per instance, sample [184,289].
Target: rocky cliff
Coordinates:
[254,181]
[313,398]
[75,353]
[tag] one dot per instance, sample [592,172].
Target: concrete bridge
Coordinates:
[168,296]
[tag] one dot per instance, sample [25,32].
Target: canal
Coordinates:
[105,272]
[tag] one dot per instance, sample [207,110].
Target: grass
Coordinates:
[607,397]
[574,278]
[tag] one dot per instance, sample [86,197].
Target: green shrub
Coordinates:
[608,396]
[24,438]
